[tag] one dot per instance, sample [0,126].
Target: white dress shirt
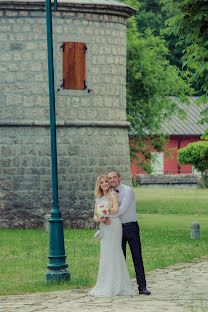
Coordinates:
[127,204]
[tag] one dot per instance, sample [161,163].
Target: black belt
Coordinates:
[129,223]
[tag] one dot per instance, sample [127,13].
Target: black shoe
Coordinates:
[144,291]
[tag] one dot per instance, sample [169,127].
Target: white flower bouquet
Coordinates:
[103,211]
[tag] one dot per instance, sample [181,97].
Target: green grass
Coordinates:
[165,241]
[24,257]
[171,201]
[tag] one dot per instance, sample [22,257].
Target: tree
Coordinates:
[195,154]
[152,15]
[151,80]
[190,23]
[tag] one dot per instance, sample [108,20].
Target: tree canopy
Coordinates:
[195,154]
[152,77]
[190,23]
[151,80]
[152,15]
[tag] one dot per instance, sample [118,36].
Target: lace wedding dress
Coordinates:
[113,276]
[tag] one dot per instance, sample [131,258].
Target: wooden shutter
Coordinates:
[74,65]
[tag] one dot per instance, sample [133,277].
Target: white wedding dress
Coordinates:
[113,276]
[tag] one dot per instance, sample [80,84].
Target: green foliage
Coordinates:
[190,23]
[205,135]
[151,80]
[206,180]
[151,15]
[204,119]
[195,154]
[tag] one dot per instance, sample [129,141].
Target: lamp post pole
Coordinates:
[57,265]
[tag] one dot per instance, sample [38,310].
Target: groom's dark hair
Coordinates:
[113,170]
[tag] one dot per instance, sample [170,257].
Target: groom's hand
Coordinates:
[107,221]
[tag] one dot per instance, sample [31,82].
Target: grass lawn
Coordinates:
[164,217]
[171,201]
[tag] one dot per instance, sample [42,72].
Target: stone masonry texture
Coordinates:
[92,132]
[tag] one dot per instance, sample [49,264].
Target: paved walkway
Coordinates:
[179,288]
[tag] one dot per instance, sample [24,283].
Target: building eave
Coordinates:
[102,7]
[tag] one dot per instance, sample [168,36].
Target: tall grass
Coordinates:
[165,241]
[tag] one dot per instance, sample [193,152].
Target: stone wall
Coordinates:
[83,154]
[24,75]
[167,180]
[92,135]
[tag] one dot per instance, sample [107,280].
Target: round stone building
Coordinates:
[89,39]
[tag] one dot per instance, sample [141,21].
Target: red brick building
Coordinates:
[179,134]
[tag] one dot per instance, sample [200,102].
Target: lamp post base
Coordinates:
[58,276]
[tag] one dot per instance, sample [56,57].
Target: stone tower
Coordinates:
[89,39]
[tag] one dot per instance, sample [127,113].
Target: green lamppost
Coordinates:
[57,265]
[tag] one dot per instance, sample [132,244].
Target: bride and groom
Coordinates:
[118,228]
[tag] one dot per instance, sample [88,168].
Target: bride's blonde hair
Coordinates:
[98,191]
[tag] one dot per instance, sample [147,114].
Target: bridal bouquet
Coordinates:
[102,211]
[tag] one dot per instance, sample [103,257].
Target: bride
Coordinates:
[113,276]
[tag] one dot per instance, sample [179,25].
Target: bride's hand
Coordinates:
[102,220]
[107,221]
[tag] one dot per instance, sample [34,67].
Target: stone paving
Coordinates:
[179,288]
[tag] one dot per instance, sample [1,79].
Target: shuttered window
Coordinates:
[74,65]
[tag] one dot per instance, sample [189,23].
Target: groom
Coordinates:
[128,217]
